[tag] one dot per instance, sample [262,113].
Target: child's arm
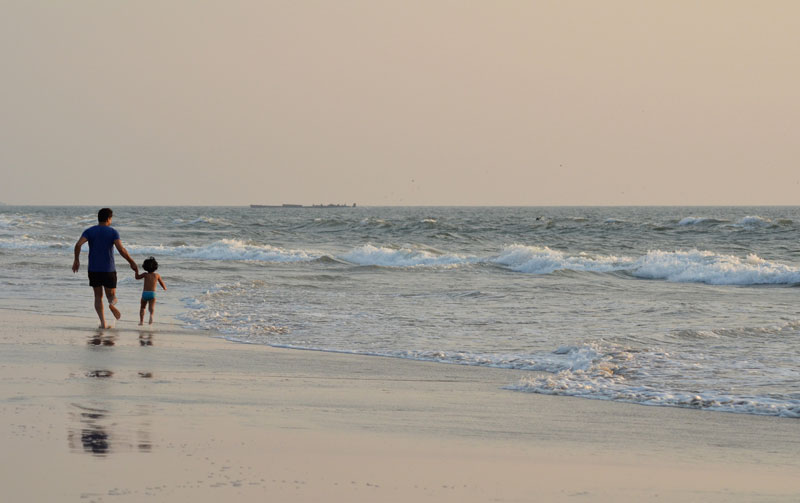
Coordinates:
[140,276]
[161,282]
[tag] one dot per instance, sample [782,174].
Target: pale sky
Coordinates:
[400,102]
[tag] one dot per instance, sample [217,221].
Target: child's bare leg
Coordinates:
[152,307]
[98,305]
[111,293]
[143,304]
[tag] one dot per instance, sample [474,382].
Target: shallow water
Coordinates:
[693,307]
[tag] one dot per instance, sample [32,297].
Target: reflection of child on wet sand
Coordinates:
[151,277]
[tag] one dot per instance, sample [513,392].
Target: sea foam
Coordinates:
[606,371]
[605,379]
[401,257]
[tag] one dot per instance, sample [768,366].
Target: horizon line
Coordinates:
[774,205]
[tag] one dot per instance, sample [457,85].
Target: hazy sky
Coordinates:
[400,102]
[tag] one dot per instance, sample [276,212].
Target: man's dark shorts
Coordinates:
[106,279]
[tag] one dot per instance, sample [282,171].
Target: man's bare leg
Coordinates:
[111,293]
[98,305]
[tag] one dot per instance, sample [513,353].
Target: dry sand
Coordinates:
[164,414]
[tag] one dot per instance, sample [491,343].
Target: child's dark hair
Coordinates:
[150,265]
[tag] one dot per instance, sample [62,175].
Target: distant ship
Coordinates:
[301,206]
[276,206]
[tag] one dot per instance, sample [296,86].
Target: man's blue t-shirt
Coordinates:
[101,247]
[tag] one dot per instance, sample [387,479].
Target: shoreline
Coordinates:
[176,415]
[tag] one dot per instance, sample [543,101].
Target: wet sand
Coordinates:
[164,414]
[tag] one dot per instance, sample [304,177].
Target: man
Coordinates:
[102,239]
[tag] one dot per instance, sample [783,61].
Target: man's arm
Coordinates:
[122,251]
[76,264]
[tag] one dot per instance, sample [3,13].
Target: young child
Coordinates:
[151,277]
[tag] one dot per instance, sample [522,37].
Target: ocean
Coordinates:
[691,307]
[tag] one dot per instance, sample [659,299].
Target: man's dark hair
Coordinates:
[150,265]
[104,214]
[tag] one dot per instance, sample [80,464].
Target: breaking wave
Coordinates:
[681,266]
[402,257]
[11,222]
[699,220]
[201,220]
[543,260]
[28,243]
[692,266]
[754,221]
[229,249]
[696,266]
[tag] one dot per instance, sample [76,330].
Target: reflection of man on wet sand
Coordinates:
[102,239]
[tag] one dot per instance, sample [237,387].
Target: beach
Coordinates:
[408,252]
[166,414]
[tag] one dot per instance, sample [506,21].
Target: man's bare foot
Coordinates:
[115,311]
[107,325]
